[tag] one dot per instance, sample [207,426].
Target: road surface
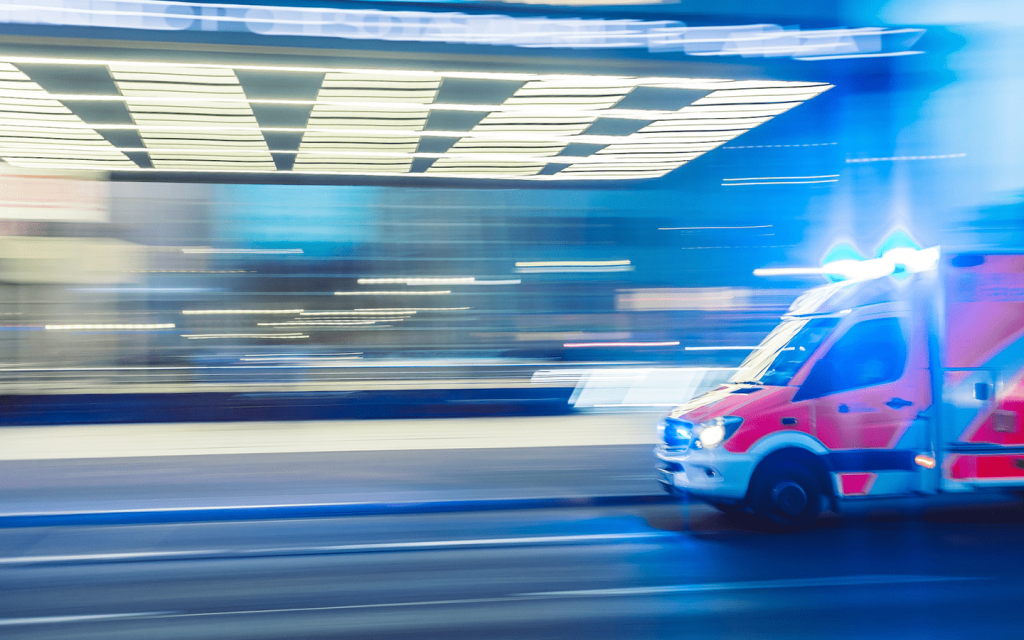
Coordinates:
[619,573]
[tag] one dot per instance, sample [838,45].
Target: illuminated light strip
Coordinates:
[217,336]
[221,312]
[415,309]
[414,281]
[750,184]
[834,175]
[553,110]
[36,102]
[601,93]
[676,83]
[489,135]
[573,345]
[578,269]
[326,323]
[210,250]
[752,226]
[155,64]
[212,80]
[897,158]
[348,85]
[391,293]
[784,146]
[576,263]
[790,271]
[585,3]
[695,111]
[721,348]
[104,327]
[389,313]
[884,54]
[495,282]
[912,261]
[738,106]
[625,174]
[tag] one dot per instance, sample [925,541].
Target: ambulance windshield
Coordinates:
[783,352]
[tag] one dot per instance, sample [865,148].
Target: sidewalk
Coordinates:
[198,472]
[214,438]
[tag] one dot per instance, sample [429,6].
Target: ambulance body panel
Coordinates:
[902,385]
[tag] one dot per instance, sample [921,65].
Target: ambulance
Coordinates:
[904,380]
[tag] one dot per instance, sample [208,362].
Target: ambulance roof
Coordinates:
[838,296]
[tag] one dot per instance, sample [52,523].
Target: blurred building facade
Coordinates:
[912,139]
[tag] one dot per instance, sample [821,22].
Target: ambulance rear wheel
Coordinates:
[786,496]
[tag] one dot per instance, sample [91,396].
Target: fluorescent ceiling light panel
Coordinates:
[159,93]
[371,122]
[25,102]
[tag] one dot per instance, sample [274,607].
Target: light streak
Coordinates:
[723,348]
[108,327]
[417,281]
[575,263]
[210,250]
[573,345]
[218,336]
[392,293]
[212,312]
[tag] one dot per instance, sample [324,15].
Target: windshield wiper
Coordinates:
[754,382]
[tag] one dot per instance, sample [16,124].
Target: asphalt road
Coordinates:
[624,573]
[325,477]
[643,571]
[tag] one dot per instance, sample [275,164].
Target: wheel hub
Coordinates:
[789,498]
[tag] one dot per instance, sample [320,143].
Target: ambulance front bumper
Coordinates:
[715,474]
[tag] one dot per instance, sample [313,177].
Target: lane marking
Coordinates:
[799,583]
[114,557]
[337,549]
[343,607]
[11,622]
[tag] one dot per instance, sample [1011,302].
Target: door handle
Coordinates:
[898,403]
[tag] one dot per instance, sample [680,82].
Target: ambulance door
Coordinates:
[983,370]
[867,392]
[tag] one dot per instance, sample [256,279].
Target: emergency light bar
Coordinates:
[899,260]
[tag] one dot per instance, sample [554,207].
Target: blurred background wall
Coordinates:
[920,148]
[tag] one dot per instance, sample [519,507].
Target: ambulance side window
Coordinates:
[870,353]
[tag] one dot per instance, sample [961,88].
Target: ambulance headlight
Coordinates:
[712,435]
[714,432]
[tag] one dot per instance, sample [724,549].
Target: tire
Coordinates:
[786,496]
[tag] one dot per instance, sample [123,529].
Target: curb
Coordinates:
[286,406]
[328,510]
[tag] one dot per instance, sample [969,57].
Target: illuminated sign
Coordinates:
[460,28]
[162,116]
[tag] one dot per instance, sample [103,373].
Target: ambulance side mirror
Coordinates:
[981,391]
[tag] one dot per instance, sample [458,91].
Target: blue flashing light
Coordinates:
[676,433]
[897,239]
[841,251]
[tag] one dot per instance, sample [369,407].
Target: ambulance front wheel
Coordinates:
[786,495]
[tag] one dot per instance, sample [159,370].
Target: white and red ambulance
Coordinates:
[908,383]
